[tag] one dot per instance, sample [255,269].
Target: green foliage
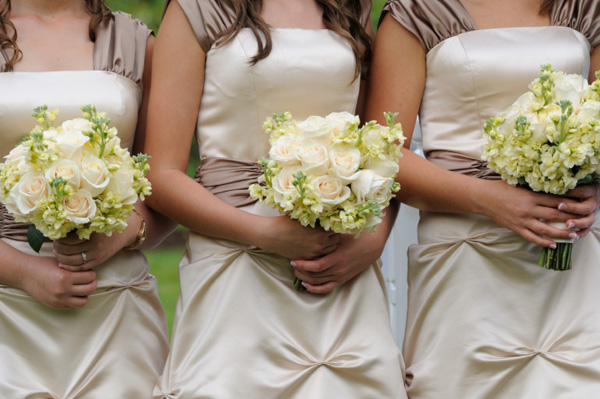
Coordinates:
[150,11]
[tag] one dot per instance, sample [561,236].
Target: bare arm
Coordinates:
[397,81]
[174,102]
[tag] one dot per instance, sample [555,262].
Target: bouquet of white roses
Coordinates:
[72,177]
[548,140]
[330,171]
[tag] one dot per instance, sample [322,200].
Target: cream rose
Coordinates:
[316,129]
[67,170]
[589,111]
[70,141]
[333,191]
[31,188]
[314,159]
[383,167]
[345,160]
[94,175]
[370,186]
[283,181]
[79,206]
[77,125]
[569,87]
[121,182]
[284,150]
[339,121]
[18,157]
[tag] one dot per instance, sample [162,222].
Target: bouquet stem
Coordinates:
[298,285]
[558,258]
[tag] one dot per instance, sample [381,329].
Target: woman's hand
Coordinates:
[350,258]
[583,209]
[55,287]
[289,238]
[526,212]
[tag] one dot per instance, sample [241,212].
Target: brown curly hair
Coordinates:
[339,16]
[546,7]
[8,34]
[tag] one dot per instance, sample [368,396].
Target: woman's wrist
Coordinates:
[140,236]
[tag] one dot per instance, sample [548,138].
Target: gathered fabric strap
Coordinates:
[229,179]
[11,229]
[462,164]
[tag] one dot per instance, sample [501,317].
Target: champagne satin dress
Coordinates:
[484,321]
[116,345]
[241,330]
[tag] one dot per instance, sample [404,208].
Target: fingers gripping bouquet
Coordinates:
[329,171]
[72,177]
[548,140]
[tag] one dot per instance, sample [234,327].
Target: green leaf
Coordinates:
[35,238]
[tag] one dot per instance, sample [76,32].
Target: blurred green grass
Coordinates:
[163,265]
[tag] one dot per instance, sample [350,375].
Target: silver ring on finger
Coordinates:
[83,258]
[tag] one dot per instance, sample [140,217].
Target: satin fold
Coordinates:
[229,179]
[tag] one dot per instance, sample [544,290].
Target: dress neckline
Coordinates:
[475,27]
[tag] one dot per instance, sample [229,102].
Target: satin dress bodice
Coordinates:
[238,97]
[476,75]
[67,91]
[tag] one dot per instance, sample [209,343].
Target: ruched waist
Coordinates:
[463,164]
[11,229]
[229,179]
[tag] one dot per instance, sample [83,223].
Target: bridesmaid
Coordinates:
[484,321]
[79,319]
[241,330]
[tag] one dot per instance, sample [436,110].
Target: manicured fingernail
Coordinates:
[303,284]
[571,225]
[562,207]
[553,246]
[573,236]
[293,264]
[61,265]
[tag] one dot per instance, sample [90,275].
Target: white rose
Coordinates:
[345,160]
[121,183]
[67,170]
[569,87]
[31,188]
[316,129]
[370,186]
[339,121]
[18,157]
[50,134]
[79,207]
[94,175]
[77,125]
[70,141]
[313,158]
[283,181]
[383,167]
[589,111]
[333,191]
[284,150]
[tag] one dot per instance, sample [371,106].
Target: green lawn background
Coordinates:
[164,259]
